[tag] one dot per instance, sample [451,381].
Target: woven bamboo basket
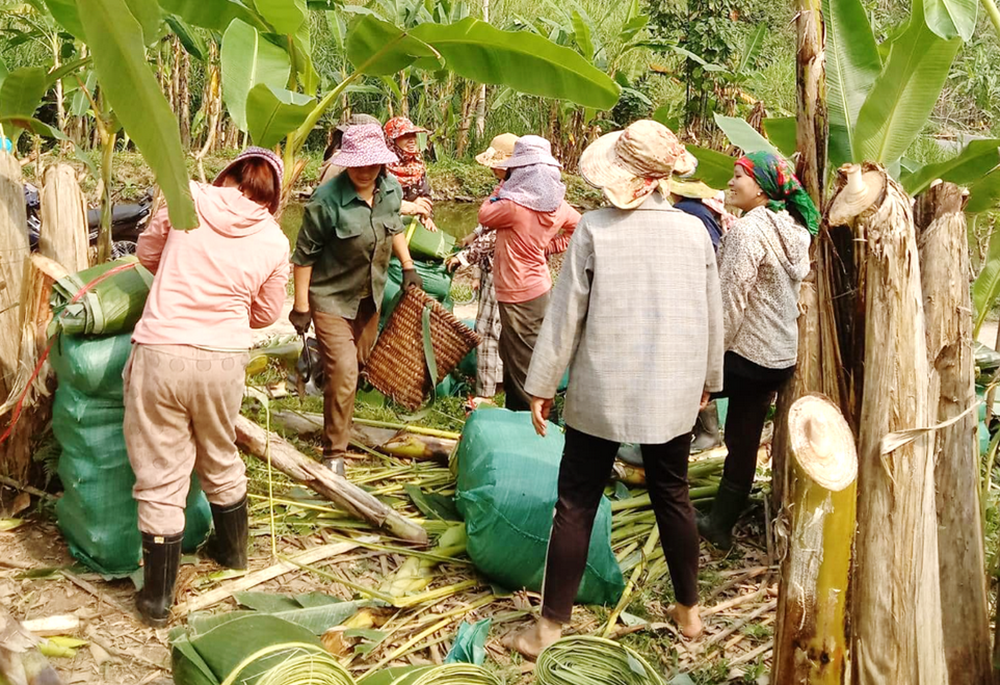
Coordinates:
[398,366]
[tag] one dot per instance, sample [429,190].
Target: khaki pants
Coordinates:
[181,404]
[345,345]
[520,325]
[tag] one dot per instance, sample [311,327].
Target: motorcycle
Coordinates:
[128,221]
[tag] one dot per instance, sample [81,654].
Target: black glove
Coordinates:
[411,277]
[300,320]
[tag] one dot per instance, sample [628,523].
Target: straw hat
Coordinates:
[254,152]
[529,150]
[501,148]
[626,163]
[358,120]
[363,146]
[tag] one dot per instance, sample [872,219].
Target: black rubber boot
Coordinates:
[717,527]
[161,556]
[706,429]
[228,544]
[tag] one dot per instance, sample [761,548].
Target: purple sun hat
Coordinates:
[273,160]
[363,146]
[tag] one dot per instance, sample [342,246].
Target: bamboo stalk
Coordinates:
[944,265]
[811,637]
[344,494]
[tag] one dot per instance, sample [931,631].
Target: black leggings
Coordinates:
[749,388]
[585,469]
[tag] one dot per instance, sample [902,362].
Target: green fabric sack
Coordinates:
[92,364]
[437,284]
[97,513]
[507,489]
[112,305]
[425,243]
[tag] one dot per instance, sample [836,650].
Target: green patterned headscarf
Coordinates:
[783,190]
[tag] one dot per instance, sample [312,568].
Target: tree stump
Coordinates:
[944,268]
[810,646]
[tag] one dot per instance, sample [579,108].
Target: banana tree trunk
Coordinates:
[64,236]
[944,265]
[896,623]
[810,646]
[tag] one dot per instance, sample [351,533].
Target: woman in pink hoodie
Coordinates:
[184,380]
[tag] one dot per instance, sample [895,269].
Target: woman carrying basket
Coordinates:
[349,228]
[184,381]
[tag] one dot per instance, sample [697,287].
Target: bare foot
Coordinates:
[531,641]
[687,619]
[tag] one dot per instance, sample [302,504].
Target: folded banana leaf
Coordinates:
[255,649]
[109,298]
[584,660]
[470,643]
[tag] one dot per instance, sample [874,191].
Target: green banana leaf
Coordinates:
[714,168]
[388,676]
[852,67]
[524,61]
[783,133]
[253,648]
[66,14]
[317,620]
[900,102]
[132,91]
[284,16]
[744,136]
[976,160]
[193,43]
[983,193]
[378,48]
[210,14]
[986,288]
[248,60]
[470,643]
[448,674]
[148,15]
[952,18]
[272,113]
[22,92]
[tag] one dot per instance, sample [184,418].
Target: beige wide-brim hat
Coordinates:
[624,164]
[500,150]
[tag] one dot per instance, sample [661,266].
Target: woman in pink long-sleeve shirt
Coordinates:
[532,221]
[185,378]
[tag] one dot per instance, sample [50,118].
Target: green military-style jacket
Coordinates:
[348,244]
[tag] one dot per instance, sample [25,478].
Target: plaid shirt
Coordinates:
[480,252]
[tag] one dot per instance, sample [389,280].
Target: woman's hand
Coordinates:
[706,397]
[475,285]
[429,224]
[421,207]
[300,320]
[540,410]
[467,240]
[452,263]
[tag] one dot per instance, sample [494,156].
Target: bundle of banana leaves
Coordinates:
[582,660]
[449,674]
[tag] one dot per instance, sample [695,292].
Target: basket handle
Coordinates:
[429,350]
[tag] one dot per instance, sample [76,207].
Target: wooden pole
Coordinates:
[64,236]
[810,646]
[944,265]
[341,492]
[896,624]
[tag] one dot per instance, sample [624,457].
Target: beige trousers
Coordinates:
[181,404]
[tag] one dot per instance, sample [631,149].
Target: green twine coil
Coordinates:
[584,660]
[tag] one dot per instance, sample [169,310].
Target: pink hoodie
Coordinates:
[216,282]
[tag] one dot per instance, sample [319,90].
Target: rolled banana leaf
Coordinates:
[585,660]
[448,674]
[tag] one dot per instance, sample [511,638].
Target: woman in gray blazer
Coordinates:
[636,315]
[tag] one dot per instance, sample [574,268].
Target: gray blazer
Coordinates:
[637,316]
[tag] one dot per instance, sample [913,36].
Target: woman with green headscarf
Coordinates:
[762,261]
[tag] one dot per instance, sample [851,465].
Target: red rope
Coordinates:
[48,348]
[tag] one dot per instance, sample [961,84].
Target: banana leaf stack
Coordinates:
[257,649]
[583,660]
